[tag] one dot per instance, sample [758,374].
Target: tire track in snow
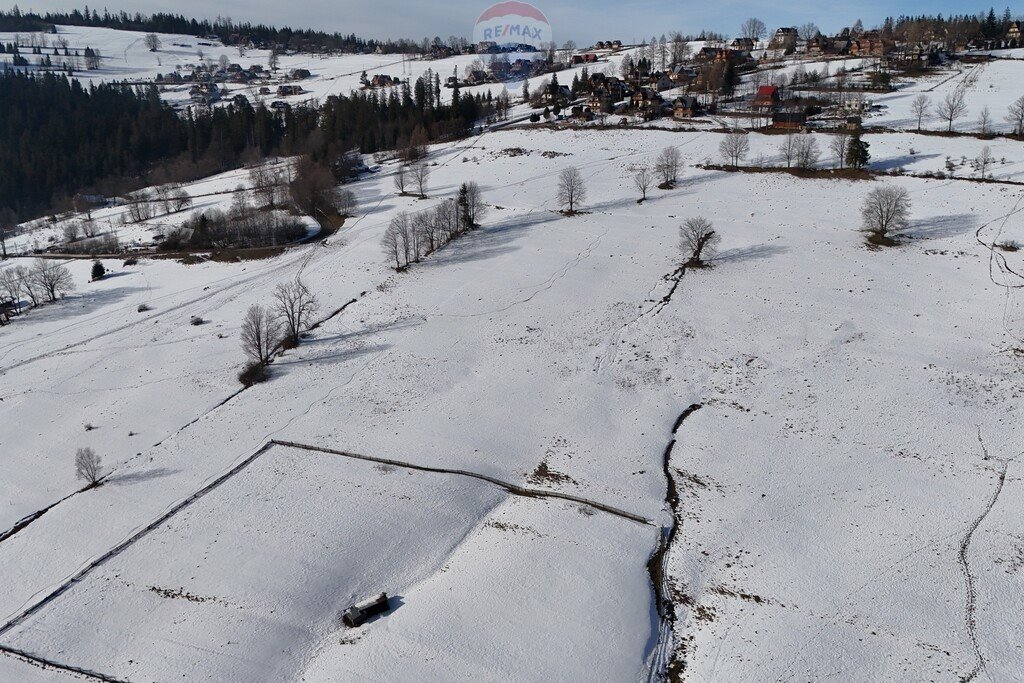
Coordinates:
[970,605]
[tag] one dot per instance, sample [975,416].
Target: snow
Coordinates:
[828,484]
[214,193]
[992,84]
[126,58]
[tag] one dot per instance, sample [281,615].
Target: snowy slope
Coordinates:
[833,472]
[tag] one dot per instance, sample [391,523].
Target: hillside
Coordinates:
[503,435]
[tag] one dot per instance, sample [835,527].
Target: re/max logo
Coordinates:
[512,30]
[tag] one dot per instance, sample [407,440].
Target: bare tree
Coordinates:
[808,31]
[734,148]
[152,41]
[70,232]
[985,121]
[668,164]
[807,152]
[1015,115]
[88,466]
[984,161]
[643,179]
[261,333]
[474,204]
[754,29]
[420,175]
[571,190]
[391,243]
[264,181]
[698,240]
[12,283]
[181,200]
[919,107]
[952,107]
[837,145]
[397,240]
[401,179]
[294,305]
[52,278]
[886,210]
[347,203]
[787,148]
[7,223]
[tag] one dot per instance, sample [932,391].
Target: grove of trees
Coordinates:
[410,237]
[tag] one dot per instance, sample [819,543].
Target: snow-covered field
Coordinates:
[841,510]
[995,85]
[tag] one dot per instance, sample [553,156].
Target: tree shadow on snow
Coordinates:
[368,331]
[138,477]
[78,304]
[757,251]
[487,242]
[900,161]
[940,227]
[328,357]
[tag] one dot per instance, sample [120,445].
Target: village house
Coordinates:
[767,98]
[646,102]
[685,107]
[521,68]
[744,44]
[289,90]
[869,44]
[785,38]
[682,75]
[476,77]
[1013,34]
[586,58]
[789,120]
[383,81]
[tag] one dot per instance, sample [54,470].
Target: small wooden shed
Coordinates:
[358,613]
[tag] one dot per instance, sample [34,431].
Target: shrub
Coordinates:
[253,373]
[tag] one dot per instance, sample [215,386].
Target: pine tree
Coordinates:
[857,155]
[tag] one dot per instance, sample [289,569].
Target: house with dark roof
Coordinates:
[789,120]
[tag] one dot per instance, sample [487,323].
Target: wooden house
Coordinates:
[785,38]
[685,107]
[767,98]
[789,120]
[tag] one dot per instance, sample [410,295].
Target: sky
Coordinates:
[581,20]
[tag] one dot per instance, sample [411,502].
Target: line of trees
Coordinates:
[228,31]
[45,281]
[410,237]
